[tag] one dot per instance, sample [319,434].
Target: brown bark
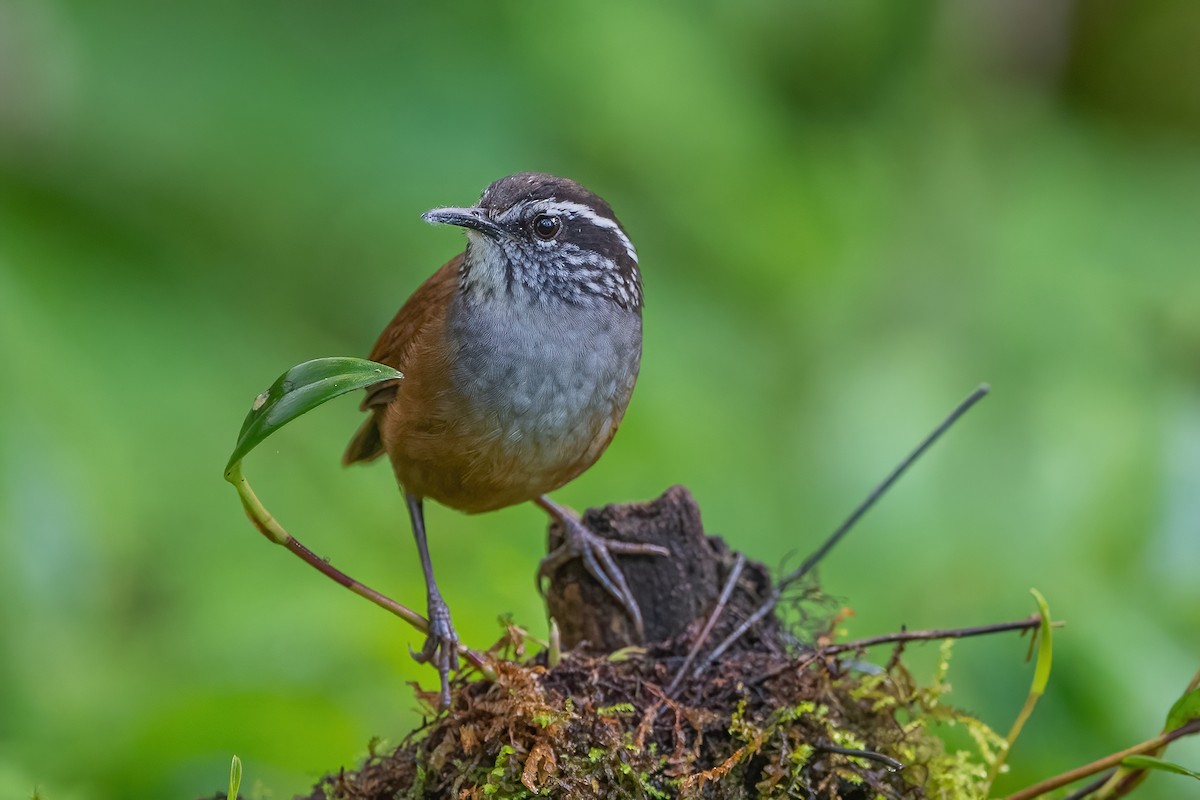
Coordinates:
[674,592]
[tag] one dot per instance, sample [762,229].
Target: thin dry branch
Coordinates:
[811,562]
[1029,623]
[718,610]
[1108,762]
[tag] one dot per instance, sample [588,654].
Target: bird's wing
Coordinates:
[425,307]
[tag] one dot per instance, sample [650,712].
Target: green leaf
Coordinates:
[1149,762]
[1045,655]
[1185,709]
[235,778]
[301,389]
[1041,677]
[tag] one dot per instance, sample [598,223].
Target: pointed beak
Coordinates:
[474,218]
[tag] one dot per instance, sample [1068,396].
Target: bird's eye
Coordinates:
[546,226]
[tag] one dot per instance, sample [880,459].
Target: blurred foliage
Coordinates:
[848,215]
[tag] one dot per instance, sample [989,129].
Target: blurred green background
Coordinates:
[848,215]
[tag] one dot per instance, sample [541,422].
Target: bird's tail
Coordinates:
[366,444]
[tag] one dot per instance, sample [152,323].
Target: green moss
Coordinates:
[604,729]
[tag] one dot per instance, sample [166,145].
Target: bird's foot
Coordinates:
[596,552]
[441,646]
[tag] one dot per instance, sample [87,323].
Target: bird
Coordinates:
[519,357]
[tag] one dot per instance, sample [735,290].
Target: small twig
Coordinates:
[871,755]
[773,599]
[903,637]
[882,488]
[797,666]
[1109,761]
[1028,623]
[740,631]
[1094,786]
[1123,780]
[894,658]
[722,601]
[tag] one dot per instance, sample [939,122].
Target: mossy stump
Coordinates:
[769,719]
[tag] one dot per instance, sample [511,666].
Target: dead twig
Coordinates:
[809,563]
[870,755]
[739,632]
[1114,760]
[878,492]
[1029,623]
[718,610]
[1095,785]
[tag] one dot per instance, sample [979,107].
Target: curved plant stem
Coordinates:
[269,527]
[1041,677]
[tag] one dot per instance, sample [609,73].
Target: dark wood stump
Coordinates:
[676,592]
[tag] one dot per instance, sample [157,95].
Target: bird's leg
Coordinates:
[596,552]
[441,645]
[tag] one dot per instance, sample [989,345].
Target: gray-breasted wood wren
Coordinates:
[519,356]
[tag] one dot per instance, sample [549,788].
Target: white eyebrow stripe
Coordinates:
[568,209]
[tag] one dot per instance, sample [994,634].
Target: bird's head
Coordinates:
[546,238]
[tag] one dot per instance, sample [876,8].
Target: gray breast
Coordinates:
[542,376]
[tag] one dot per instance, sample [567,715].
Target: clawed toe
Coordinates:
[596,553]
[440,648]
